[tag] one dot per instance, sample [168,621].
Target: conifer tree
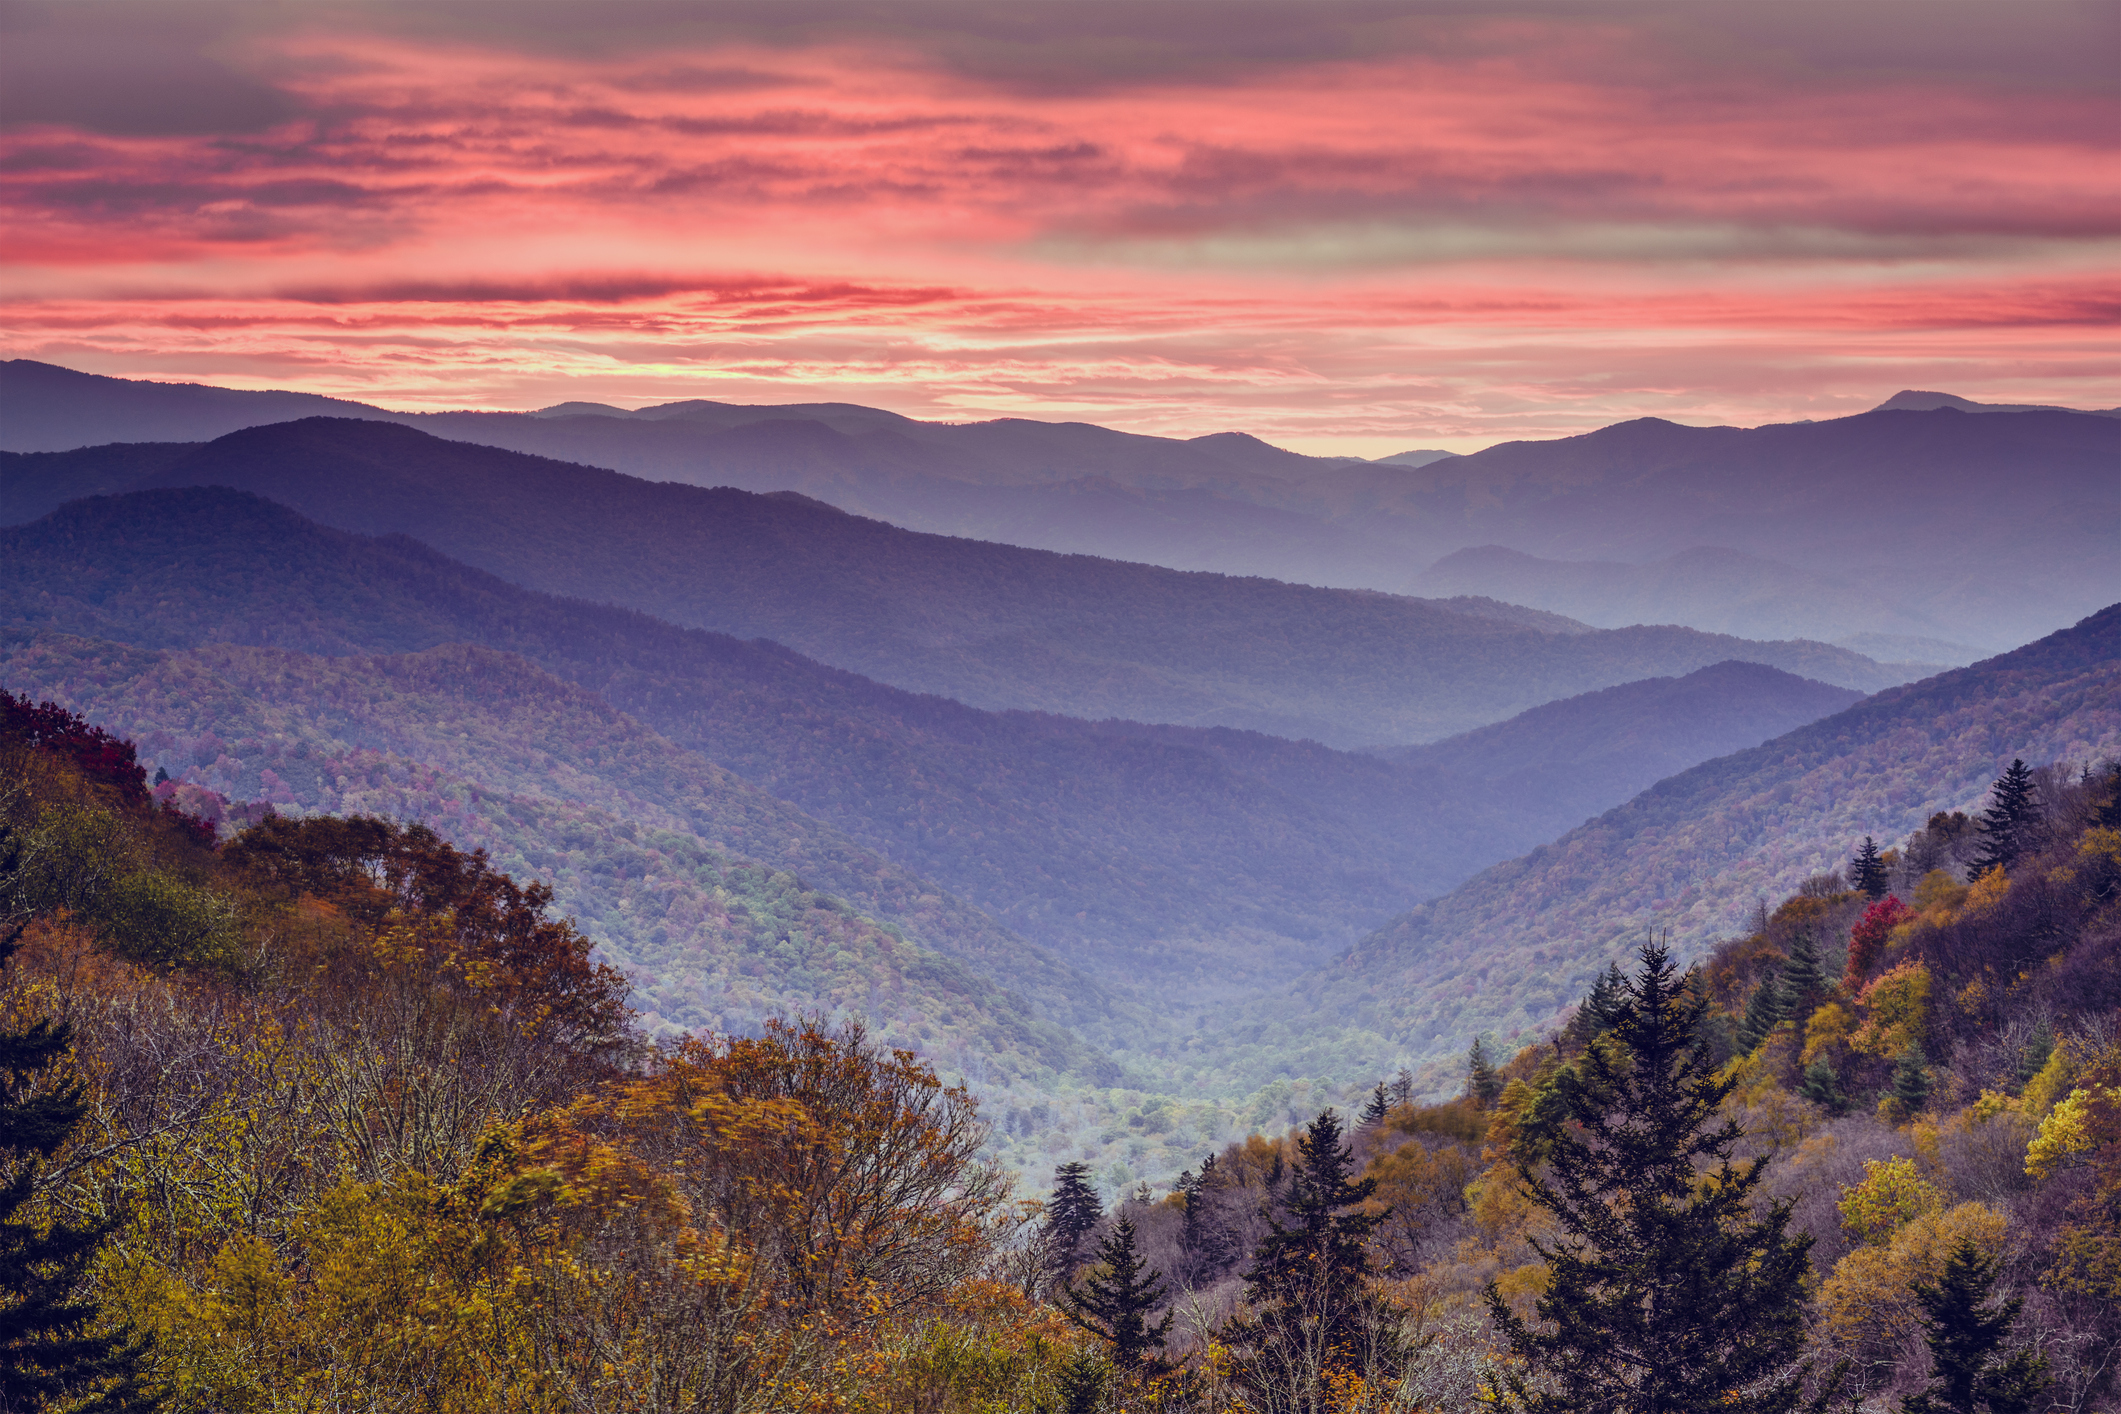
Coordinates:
[1764,1011]
[1867,870]
[1804,981]
[1911,1079]
[1115,1300]
[1376,1107]
[49,1348]
[1666,1295]
[1071,1216]
[1403,1087]
[1966,1336]
[1596,1013]
[2007,824]
[1205,1240]
[1312,1314]
[1483,1084]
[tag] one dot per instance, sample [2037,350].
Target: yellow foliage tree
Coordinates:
[1892,1194]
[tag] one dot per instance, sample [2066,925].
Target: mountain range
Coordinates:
[1913,520]
[990,625]
[1215,861]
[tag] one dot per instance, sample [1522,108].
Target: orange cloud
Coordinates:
[1418,226]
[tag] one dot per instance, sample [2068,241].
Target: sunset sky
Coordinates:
[1346,228]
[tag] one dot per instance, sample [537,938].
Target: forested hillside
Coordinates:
[333,1106]
[990,625]
[723,905]
[1692,857]
[1224,859]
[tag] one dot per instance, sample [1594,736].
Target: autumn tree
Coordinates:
[1667,1292]
[1115,1300]
[1868,938]
[2007,824]
[1969,1374]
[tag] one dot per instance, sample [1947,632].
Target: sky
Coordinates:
[1345,228]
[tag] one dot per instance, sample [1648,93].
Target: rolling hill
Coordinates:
[991,625]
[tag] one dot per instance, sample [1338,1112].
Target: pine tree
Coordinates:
[1376,1107]
[1804,981]
[1911,1080]
[2007,824]
[1596,1014]
[1205,1240]
[1482,1083]
[1312,1313]
[49,1348]
[1965,1338]
[1403,1087]
[1867,870]
[1071,1216]
[1665,1295]
[1764,1011]
[1115,1300]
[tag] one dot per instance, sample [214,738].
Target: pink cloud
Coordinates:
[1548,219]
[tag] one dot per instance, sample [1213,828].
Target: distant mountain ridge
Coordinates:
[994,626]
[1909,400]
[1891,502]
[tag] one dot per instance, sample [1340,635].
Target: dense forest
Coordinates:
[331,1113]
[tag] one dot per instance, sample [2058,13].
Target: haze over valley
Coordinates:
[1188,708]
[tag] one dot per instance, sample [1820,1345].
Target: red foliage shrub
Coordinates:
[1867,938]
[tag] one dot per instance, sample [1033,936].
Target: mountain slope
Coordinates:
[991,625]
[1147,856]
[499,756]
[1569,759]
[1511,949]
[1721,590]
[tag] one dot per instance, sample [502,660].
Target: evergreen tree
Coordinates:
[1072,1215]
[1403,1087]
[1665,1295]
[1822,1086]
[1597,1012]
[1482,1082]
[1114,1302]
[1764,1011]
[1205,1241]
[1911,1079]
[1965,1338]
[1376,1107]
[1079,1385]
[1867,870]
[48,1347]
[2007,824]
[1804,981]
[1312,1313]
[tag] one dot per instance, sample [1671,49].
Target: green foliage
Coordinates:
[1667,1292]
[1115,1300]
[1867,871]
[1969,1373]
